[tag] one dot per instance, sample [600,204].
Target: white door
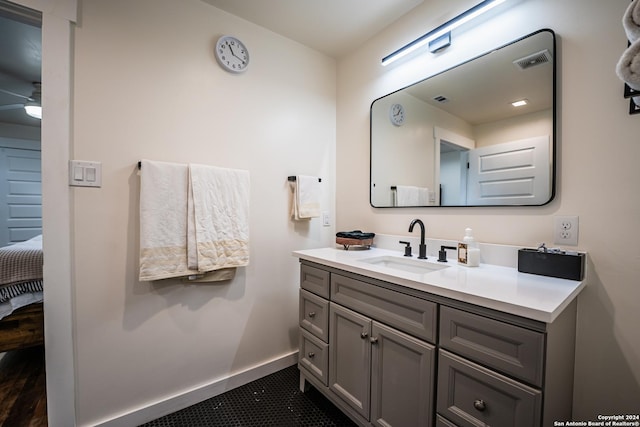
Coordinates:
[512,173]
[20,195]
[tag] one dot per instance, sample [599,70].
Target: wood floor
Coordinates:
[23,401]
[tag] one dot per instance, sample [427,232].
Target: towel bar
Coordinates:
[292,178]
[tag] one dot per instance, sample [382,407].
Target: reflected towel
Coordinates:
[628,68]
[631,21]
[305,197]
[407,195]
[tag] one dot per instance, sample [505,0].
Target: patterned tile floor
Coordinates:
[274,400]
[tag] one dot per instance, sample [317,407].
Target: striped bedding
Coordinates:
[20,275]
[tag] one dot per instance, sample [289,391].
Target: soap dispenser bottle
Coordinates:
[469,250]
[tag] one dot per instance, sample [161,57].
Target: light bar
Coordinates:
[440,31]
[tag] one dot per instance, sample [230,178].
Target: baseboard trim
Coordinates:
[184,400]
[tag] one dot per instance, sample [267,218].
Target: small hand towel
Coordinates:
[305,200]
[631,21]
[628,67]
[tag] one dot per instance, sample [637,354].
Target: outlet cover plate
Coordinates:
[565,230]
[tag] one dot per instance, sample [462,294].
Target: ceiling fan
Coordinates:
[32,105]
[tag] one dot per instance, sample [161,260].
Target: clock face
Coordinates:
[396,114]
[231,54]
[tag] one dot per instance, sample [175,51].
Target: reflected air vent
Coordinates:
[440,98]
[534,59]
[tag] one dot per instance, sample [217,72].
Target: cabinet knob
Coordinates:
[374,340]
[364,335]
[480,405]
[312,314]
[311,355]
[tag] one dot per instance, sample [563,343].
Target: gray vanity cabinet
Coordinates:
[380,369]
[372,348]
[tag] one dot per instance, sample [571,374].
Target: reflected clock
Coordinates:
[396,114]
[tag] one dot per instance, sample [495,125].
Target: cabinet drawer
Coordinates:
[314,280]
[409,314]
[472,395]
[314,314]
[443,422]
[511,349]
[313,356]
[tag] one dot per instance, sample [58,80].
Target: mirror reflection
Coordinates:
[481,133]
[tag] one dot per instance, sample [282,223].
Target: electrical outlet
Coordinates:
[565,230]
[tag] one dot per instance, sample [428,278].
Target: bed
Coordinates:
[21,315]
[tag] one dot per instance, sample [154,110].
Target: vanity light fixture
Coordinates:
[440,37]
[520,103]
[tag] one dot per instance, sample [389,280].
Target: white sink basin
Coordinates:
[409,265]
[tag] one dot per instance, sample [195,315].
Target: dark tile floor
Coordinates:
[274,400]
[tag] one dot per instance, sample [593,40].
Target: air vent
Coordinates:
[440,98]
[532,60]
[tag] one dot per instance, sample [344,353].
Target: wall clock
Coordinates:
[232,54]
[396,114]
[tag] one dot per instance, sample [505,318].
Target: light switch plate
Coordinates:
[85,173]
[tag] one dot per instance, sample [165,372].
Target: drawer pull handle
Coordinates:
[312,355]
[374,340]
[480,405]
[364,335]
[312,314]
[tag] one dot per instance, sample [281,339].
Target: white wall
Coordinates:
[598,148]
[146,85]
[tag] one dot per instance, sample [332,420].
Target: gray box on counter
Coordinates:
[563,266]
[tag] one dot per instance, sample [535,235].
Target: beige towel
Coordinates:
[163,220]
[221,216]
[218,214]
[305,197]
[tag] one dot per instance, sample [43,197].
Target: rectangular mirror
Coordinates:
[457,139]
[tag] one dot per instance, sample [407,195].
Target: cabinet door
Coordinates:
[401,379]
[350,357]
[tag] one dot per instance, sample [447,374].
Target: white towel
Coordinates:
[218,215]
[628,67]
[305,200]
[407,195]
[221,216]
[631,21]
[163,220]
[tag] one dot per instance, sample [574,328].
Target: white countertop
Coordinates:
[500,288]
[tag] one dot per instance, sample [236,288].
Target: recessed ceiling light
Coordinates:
[520,103]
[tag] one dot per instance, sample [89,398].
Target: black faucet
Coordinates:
[422,249]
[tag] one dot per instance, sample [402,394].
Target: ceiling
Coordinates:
[20,61]
[334,27]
